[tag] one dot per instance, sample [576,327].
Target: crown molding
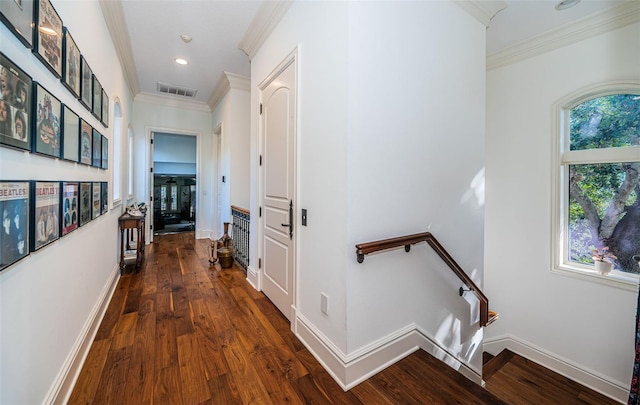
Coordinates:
[483,11]
[584,28]
[114,17]
[172,101]
[227,82]
[263,24]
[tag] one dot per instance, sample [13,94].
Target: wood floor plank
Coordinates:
[139,386]
[167,387]
[89,378]
[192,372]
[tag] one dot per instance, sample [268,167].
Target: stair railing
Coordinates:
[241,221]
[362,249]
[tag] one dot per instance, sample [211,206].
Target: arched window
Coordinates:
[598,188]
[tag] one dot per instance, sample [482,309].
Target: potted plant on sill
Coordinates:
[602,260]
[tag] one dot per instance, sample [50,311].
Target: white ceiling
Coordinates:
[217,28]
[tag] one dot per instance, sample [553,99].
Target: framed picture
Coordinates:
[97,149]
[105,152]
[104,197]
[48,37]
[14,236]
[70,135]
[69,213]
[45,226]
[17,15]
[86,142]
[105,109]
[86,83]
[71,65]
[47,123]
[96,202]
[85,203]
[15,105]
[97,98]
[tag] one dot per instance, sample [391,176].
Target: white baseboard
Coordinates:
[253,278]
[350,370]
[204,234]
[62,386]
[589,378]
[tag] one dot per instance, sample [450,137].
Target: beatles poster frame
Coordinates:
[96,100]
[16,105]
[86,83]
[69,207]
[70,135]
[71,65]
[17,15]
[15,197]
[96,189]
[47,109]
[104,116]
[85,201]
[48,37]
[104,197]
[45,213]
[105,153]
[86,142]
[96,154]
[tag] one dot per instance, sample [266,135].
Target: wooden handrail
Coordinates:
[408,240]
[244,211]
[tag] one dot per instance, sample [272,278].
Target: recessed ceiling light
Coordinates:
[181,61]
[565,4]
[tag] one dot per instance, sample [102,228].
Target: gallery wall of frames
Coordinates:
[36,213]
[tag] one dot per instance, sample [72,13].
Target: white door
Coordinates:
[278,117]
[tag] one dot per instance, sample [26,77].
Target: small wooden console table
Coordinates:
[131,223]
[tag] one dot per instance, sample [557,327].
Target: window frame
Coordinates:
[563,157]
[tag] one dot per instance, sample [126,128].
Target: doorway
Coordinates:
[278,231]
[174,181]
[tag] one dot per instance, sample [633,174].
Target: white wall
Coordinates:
[151,115]
[585,325]
[232,113]
[48,299]
[390,138]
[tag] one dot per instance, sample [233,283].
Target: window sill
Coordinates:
[618,279]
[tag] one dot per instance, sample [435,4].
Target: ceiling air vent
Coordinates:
[178,91]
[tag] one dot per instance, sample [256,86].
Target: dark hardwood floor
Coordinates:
[182,332]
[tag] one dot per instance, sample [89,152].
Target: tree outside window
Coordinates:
[601,169]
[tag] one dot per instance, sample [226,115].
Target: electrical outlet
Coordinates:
[324,303]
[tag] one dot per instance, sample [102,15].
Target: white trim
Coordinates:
[483,11]
[172,101]
[349,370]
[604,21]
[559,140]
[616,390]
[263,24]
[227,82]
[253,278]
[64,382]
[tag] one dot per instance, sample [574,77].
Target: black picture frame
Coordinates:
[86,83]
[69,207]
[96,100]
[48,37]
[46,125]
[70,135]
[17,15]
[85,203]
[14,234]
[86,142]
[45,211]
[16,103]
[96,154]
[104,116]
[96,199]
[104,197]
[71,66]
[105,153]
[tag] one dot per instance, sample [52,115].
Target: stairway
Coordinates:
[517,380]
